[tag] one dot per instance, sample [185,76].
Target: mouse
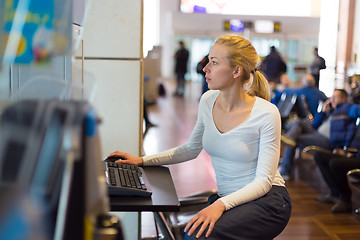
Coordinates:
[112,159]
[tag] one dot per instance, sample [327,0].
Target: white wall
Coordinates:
[172,22]
[113,55]
[354,67]
[112,44]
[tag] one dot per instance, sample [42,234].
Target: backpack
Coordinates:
[202,64]
[162,90]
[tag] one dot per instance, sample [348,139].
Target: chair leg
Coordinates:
[161,222]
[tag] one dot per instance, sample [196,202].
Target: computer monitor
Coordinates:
[34,158]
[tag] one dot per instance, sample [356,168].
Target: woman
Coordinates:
[240,129]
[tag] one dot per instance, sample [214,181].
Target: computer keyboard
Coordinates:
[126,180]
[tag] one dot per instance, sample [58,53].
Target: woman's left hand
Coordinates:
[207,217]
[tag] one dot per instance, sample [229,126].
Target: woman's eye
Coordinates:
[214,62]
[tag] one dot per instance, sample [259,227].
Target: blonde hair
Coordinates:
[242,53]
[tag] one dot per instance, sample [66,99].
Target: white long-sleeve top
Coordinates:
[245,159]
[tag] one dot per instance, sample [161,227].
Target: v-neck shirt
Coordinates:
[245,158]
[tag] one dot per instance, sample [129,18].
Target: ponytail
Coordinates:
[259,86]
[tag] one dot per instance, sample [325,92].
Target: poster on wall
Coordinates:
[33,31]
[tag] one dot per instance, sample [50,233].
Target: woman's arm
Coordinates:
[188,151]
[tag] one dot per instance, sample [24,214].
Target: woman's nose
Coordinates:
[205,68]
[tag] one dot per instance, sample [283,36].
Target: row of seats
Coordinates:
[293,106]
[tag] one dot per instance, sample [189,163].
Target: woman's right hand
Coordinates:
[127,158]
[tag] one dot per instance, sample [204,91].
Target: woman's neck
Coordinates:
[231,101]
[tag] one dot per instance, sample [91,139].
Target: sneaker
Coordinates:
[328,198]
[286,177]
[288,141]
[341,207]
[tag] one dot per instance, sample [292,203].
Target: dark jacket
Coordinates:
[354,112]
[273,66]
[312,94]
[181,58]
[342,125]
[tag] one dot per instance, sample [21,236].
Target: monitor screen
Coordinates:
[48,167]
[234,25]
[13,152]
[263,26]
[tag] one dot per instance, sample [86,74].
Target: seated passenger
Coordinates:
[312,94]
[334,168]
[331,128]
[277,89]
[355,88]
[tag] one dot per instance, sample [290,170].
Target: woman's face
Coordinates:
[219,72]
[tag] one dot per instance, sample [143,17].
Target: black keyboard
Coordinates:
[126,180]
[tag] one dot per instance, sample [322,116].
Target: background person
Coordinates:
[312,94]
[277,89]
[317,64]
[240,129]
[355,88]
[181,59]
[334,168]
[331,128]
[273,66]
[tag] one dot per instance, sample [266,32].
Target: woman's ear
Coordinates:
[237,72]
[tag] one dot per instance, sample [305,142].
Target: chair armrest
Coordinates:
[206,193]
[355,173]
[192,201]
[315,149]
[351,150]
[197,198]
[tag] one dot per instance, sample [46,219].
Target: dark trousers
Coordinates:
[304,135]
[334,169]
[261,219]
[180,83]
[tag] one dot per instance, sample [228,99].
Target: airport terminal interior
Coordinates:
[81,79]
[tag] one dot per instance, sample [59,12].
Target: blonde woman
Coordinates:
[240,129]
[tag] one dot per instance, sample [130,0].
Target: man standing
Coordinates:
[181,59]
[273,66]
[315,67]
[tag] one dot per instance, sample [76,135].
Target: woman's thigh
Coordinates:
[261,219]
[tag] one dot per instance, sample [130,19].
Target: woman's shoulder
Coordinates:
[209,95]
[262,102]
[264,106]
